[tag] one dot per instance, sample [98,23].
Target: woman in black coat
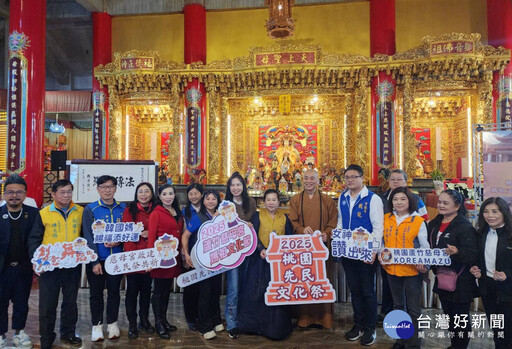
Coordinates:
[494,269]
[452,231]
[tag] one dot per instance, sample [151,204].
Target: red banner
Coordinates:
[165,142]
[422,137]
[451,47]
[146,63]
[280,58]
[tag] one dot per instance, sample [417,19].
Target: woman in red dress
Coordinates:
[139,283]
[166,218]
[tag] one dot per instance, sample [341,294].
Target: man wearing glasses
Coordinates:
[59,222]
[359,207]
[110,211]
[16,221]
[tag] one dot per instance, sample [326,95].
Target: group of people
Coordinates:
[481,259]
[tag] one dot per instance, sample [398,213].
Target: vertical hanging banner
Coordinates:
[385,116]
[98,125]
[193,128]
[297,269]
[504,87]
[17,102]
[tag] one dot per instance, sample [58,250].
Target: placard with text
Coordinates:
[297,268]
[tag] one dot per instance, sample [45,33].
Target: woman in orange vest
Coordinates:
[405,228]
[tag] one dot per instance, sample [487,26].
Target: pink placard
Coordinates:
[225,241]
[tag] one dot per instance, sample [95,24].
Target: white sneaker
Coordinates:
[209,335]
[22,340]
[113,331]
[97,333]
[219,328]
[3,342]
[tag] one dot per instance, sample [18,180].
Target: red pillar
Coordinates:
[102,54]
[26,90]
[195,93]
[382,40]
[499,33]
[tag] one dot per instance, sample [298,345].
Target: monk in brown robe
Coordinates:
[311,210]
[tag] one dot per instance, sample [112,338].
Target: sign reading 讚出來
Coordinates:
[62,255]
[163,255]
[224,241]
[427,256]
[297,269]
[116,232]
[356,244]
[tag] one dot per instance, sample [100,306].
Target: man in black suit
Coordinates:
[16,220]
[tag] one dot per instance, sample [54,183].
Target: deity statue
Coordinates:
[283,185]
[286,156]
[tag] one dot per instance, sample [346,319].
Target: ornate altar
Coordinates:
[446,82]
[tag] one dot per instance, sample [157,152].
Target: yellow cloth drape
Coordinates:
[269,224]
[79,143]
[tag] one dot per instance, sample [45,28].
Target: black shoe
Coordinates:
[368,337]
[354,334]
[161,330]
[146,326]
[71,340]
[380,318]
[133,333]
[234,333]
[398,346]
[168,326]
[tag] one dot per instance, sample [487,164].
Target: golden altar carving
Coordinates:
[341,82]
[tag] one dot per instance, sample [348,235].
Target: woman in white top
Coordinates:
[494,269]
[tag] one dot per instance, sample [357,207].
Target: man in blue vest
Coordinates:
[110,211]
[359,207]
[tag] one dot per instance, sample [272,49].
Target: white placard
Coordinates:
[128,175]
[163,255]
[196,275]
[413,256]
[62,255]
[116,232]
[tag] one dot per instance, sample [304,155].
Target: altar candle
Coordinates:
[439,155]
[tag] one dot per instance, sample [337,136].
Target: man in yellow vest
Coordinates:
[59,222]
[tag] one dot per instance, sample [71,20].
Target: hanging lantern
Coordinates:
[280,23]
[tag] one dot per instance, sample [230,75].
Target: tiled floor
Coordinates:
[184,338]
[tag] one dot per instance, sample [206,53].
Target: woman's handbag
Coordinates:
[447,278]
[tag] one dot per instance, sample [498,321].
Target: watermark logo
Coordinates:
[398,325]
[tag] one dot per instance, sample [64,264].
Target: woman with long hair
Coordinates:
[139,284]
[405,228]
[166,218]
[190,293]
[494,268]
[236,192]
[208,306]
[452,231]
[254,315]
